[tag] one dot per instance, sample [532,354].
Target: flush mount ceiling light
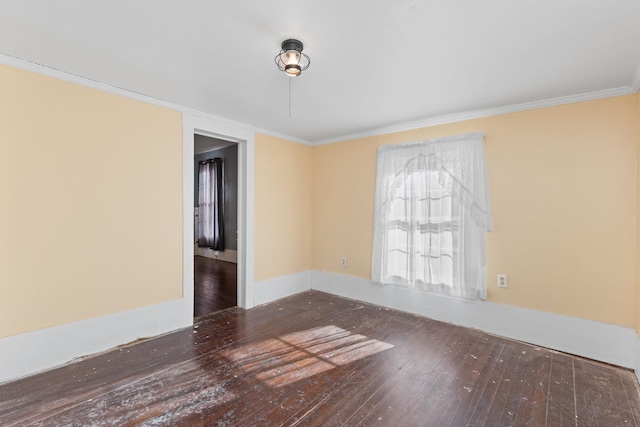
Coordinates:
[291,60]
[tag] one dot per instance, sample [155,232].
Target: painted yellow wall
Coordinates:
[90,203]
[283,173]
[563,187]
[637,299]
[564,184]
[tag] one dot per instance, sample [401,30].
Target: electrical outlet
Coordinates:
[502,281]
[343,262]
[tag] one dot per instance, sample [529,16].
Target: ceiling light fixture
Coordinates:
[291,60]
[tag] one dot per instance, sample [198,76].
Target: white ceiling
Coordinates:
[374,63]
[205,144]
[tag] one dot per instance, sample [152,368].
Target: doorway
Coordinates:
[200,124]
[215,225]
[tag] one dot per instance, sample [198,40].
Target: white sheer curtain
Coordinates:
[432,211]
[211,204]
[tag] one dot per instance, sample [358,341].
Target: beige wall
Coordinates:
[283,198]
[564,183]
[637,299]
[90,203]
[563,187]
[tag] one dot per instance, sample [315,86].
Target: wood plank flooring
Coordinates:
[315,359]
[214,286]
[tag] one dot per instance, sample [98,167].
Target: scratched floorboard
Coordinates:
[319,360]
[214,285]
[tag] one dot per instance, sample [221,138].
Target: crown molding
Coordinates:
[478,114]
[635,81]
[114,90]
[634,87]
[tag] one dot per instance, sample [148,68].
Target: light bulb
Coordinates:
[291,57]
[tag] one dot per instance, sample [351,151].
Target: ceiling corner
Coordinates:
[635,82]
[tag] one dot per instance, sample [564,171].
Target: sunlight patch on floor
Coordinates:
[299,355]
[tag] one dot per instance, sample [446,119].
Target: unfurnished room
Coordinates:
[320,213]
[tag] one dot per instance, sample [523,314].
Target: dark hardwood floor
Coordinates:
[314,359]
[214,285]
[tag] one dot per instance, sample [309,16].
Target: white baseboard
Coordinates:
[636,357]
[31,352]
[228,255]
[28,353]
[280,287]
[600,341]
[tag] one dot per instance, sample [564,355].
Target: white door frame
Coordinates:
[192,125]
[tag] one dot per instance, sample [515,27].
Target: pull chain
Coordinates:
[290,96]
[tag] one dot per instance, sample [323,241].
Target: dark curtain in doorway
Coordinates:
[211,204]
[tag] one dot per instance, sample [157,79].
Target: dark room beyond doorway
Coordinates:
[215,224]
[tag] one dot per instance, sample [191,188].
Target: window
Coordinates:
[211,204]
[432,214]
